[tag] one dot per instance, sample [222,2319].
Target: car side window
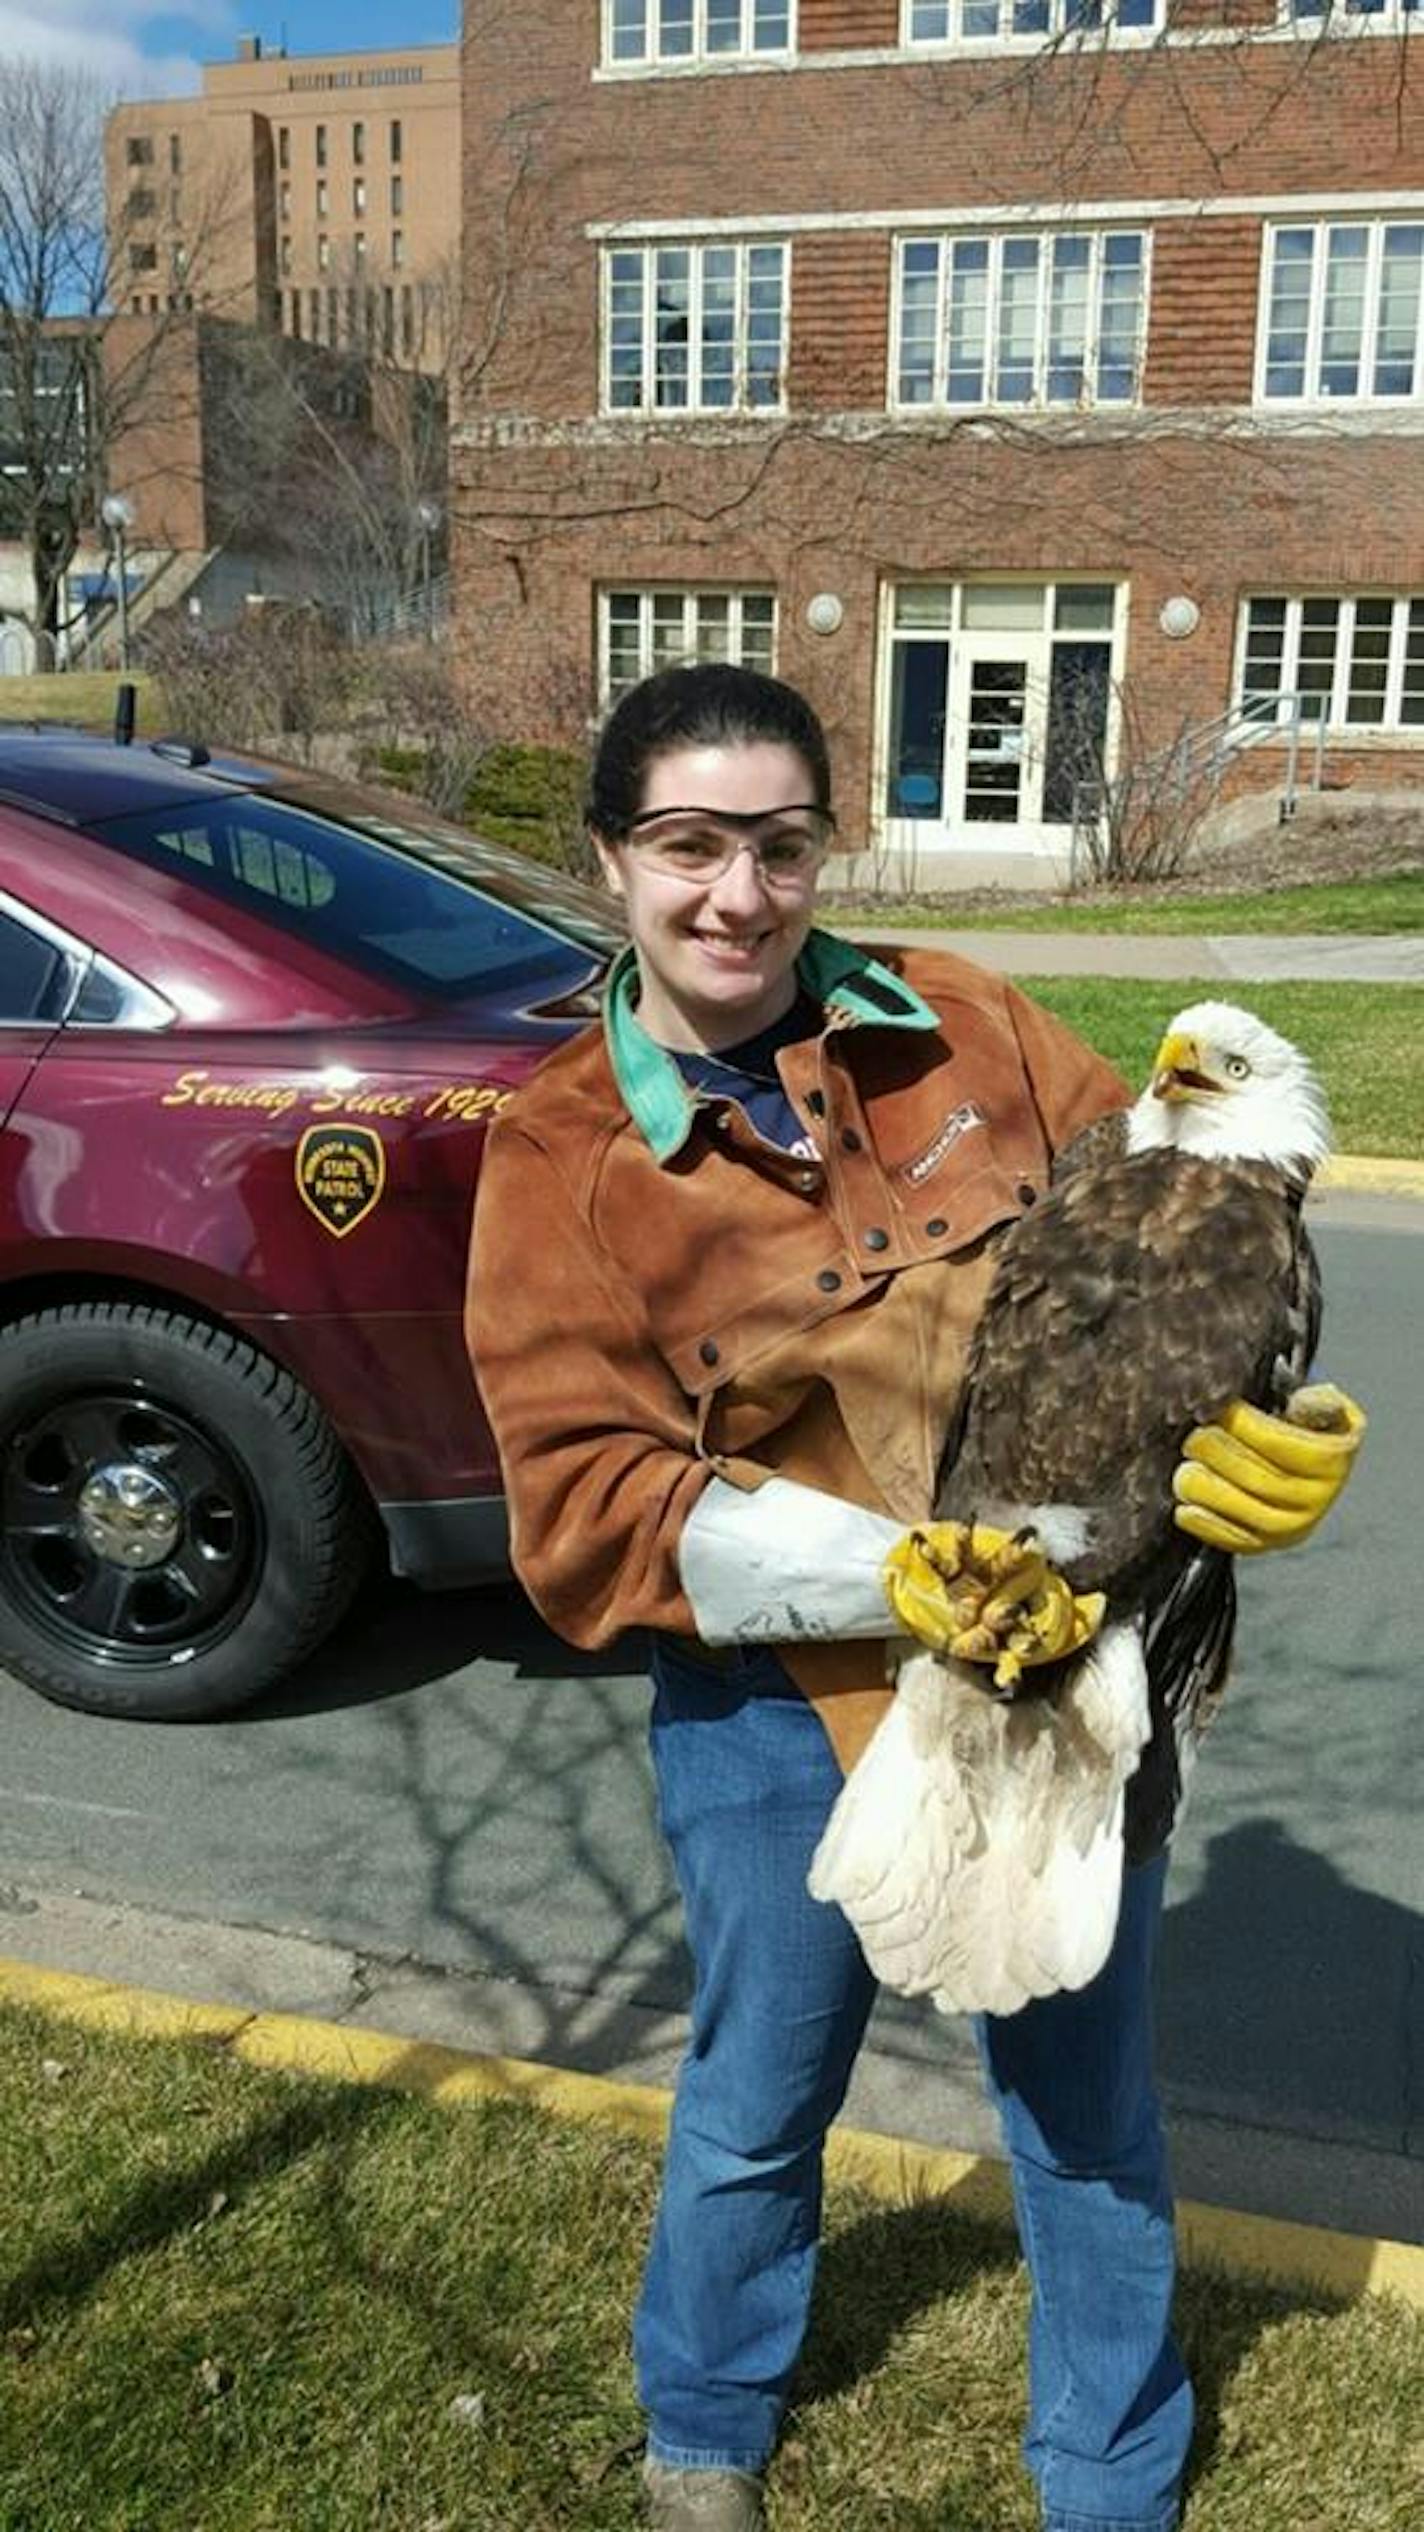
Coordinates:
[34,975]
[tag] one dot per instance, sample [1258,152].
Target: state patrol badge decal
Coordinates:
[341,1172]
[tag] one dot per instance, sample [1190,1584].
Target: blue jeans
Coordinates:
[746,1779]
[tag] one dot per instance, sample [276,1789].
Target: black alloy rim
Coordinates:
[169,1610]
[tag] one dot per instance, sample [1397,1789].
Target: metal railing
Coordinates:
[1188,774]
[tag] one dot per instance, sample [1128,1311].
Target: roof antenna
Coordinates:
[124,703]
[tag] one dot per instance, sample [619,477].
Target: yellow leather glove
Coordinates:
[1254,1481]
[986,1595]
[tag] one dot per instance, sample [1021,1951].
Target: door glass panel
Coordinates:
[1083,607]
[993,773]
[924,603]
[919,678]
[1077,725]
[1004,606]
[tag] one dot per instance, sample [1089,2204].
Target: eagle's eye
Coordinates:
[1237,1067]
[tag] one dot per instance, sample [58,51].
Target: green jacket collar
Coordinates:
[849,984]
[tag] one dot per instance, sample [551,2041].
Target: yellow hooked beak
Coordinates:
[1177,1070]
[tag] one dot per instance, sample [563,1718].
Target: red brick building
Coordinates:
[1025,388]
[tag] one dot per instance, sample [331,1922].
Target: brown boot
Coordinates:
[702,2500]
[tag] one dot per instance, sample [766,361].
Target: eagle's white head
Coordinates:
[1226,1087]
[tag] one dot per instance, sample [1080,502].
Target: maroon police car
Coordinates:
[253,1026]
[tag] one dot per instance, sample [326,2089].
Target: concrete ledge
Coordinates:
[1372,1177]
[895,2170]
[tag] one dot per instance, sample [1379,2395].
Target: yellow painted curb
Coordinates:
[894,2169]
[1372,1177]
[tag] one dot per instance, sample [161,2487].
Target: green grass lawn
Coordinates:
[1366,1041]
[87,696]
[238,2302]
[1393,904]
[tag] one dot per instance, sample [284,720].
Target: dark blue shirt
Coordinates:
[747,1073]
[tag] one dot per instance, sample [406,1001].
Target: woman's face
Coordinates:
[717,956]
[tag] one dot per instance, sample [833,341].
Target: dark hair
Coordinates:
[709,706]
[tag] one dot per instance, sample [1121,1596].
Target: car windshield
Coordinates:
[436,911]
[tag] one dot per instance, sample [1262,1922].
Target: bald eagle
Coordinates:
[978,1845]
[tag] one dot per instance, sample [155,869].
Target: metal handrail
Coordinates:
[1204,750]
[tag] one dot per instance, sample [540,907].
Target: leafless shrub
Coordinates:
[281,675]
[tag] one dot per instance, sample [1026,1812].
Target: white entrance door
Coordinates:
[998,706]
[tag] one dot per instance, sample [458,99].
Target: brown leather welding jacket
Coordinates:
[657,1294]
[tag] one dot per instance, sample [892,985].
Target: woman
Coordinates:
[727,1253]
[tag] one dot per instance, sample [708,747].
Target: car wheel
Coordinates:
[180,1523]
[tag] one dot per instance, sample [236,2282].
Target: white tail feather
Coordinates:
[977,1846]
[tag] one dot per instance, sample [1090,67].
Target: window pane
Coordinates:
[674,28]
[1265,649]
[671,320]
[1289,320]
[1004,606]
[766,269]
[629,30]
[1315,676]
[717,382]
[1084,608]
[1369,660]
[1397,335]
[968,321]
[758,632]
[1066,376]
[924,602]
[1342,333]
[979,17]
[1120,319]
[771,26]
[724,26]
[929,21]
[625,329]
[670,632]
[1411,701]
[919,313]
[1018,321]
[714,626]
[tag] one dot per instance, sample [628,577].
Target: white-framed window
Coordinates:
[659,31]
[1354,17]
[1342,311]
[1053,318]
[1356,662]
[640,630]
[694,328]
[1001,21]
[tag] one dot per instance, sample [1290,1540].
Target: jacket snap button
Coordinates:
[828,1279]
[850,1140]
[708,1351]
[876,1238]
[936,1227]
[806,1180]
[1028,1193]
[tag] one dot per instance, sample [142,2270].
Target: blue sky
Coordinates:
[141,51]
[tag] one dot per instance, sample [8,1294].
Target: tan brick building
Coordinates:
[318,193]
[1025,394]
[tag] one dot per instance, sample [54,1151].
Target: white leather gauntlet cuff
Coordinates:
[784,1565]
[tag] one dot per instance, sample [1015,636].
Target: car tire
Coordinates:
[181,1524]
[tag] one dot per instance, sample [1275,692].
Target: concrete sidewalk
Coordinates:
[1228,958]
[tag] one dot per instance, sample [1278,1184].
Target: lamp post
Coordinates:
[117,515]
[427,520]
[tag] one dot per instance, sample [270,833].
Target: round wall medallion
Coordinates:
[1179,617]
[825,612]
